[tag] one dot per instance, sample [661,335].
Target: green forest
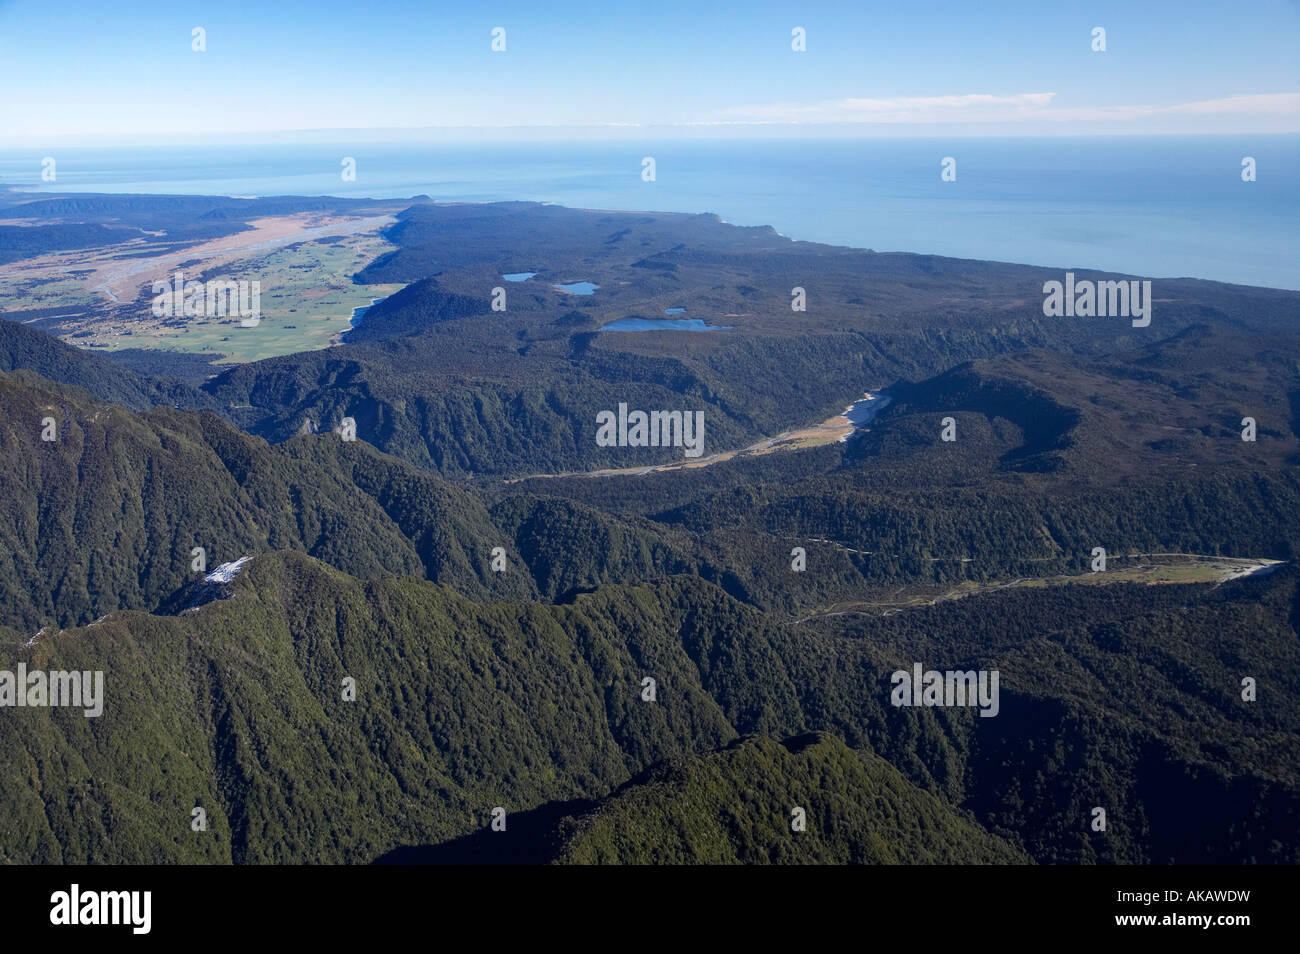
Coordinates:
[687,666]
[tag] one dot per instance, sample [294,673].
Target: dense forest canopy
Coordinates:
[499,622]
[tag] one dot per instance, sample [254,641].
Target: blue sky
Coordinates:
[85,72]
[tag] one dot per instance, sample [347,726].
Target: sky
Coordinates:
[94,73]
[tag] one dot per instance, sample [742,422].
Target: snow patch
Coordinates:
[226,572]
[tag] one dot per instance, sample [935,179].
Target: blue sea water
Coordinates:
[1153,206]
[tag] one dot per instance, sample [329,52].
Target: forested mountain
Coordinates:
[107,516]
[239,706]
[23,348]
[735,807]
[438,377]
[500,632]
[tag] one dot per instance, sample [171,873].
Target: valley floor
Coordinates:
[1173,568]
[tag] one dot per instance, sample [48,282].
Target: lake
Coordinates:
[662,324]
[576,288]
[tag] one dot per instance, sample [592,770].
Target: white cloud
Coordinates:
[1281,105]
[1020,107]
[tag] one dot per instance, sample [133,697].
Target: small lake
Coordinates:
[662,324]
[518,276]
[576,288]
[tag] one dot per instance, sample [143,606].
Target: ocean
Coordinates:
[1150,206]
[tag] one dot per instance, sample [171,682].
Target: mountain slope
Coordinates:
[1124,697]
[447,381]
[23,348]
[737,807]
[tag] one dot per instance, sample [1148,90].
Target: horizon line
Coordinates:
[556,133]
